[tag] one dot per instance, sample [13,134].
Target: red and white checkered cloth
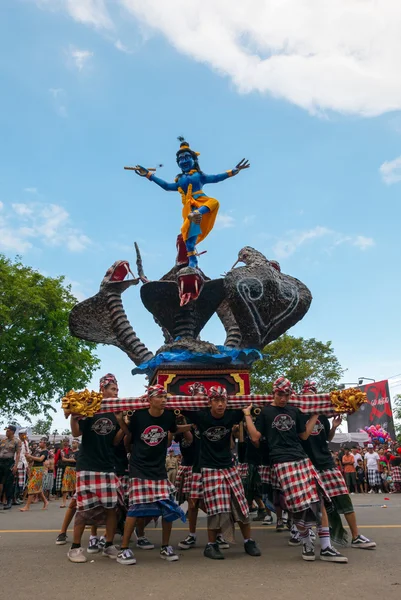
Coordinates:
[243,470]
[196,491]
[312,403]
[218,487]
[97,489]
[183,479]
[144,491]
[265,474]
[124,487]
[22,477]
[297,481]
[333,482]
[396,474]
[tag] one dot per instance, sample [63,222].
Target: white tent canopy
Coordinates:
[359,437]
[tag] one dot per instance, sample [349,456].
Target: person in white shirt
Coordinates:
[22,471]
[372,468]
[357,456]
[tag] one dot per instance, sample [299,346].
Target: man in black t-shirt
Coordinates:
[97,483]
[283,427]
[317,448]
[150,493]
[223,492]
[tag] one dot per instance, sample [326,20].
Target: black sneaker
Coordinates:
[126,557]
[102,542]
[294,540]
[213,551]
[93,546]
[308,551]
[223,544]
[331,555]
[280,526]
[167,553]
[252,548]
[189,542]
[362,542]
[260,516]
[61,539]
[144,544]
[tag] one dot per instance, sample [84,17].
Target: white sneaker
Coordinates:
[76,555]
[111,552]
[370,492]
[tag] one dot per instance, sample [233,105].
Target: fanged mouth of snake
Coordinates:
[118,271]
[190,285]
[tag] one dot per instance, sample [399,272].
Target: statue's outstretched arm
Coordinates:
[243,164]
[142,172]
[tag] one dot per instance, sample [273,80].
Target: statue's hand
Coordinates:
[195,217]
[243,164]
[141,171]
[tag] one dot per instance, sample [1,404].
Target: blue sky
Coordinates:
[92,86]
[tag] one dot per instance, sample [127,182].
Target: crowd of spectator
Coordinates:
[370,469]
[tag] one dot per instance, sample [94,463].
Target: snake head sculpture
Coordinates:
[190,284]
[102,318]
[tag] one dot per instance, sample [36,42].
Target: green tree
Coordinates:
[39,360]
[42,426]
[297,359]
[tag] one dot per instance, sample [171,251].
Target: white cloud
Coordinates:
[318,54]
[24,225]
[31,190]
[363,243]
[293,240]
[80,57]
[224,221]
[89,12]
[58,95]
[120,46]
[391,171]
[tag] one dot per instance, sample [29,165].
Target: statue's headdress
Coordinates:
[184,147]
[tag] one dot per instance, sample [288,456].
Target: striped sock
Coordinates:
[324,537]
[304,536]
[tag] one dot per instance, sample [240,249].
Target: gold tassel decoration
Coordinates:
[84,403]
[348,401]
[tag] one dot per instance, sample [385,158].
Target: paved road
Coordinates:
[32,565]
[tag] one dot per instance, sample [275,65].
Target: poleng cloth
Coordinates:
[310,404]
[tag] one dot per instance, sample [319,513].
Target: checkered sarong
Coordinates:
[243,470]
[124,487]
[265,474]
[219,486]
[196,491]
[298,481]
[95,489]
[59,478]
[333,482]
[144,491]
[374,478]
[396,474]
[183,479]
[22,477]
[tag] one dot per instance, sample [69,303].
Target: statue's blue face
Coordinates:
[185,162]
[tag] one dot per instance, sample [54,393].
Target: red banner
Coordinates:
[377,411]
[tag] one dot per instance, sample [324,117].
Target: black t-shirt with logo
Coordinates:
[38,454]
[215,437]
[96,452]
[120,459]
[149,443]
[280,427]
[316,446]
